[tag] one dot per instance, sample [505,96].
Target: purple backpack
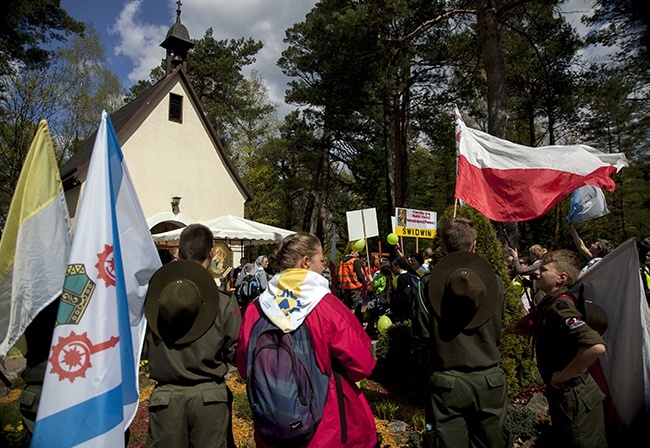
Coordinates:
[286,388]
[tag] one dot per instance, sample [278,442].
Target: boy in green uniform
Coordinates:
[565,347]
[191,337]
[458,317]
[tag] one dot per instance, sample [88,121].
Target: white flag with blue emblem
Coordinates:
[90,392]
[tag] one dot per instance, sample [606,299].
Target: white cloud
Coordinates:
[262,20]
[139,41]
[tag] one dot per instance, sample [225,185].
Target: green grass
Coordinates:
[241,407]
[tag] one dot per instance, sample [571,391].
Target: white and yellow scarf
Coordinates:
[291,295]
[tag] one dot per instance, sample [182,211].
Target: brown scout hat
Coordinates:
[182,302]
[463,290]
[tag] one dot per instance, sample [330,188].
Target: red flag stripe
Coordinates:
[520,194]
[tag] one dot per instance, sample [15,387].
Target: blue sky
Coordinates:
[132,30]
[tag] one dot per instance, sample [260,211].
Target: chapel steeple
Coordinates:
[177,43]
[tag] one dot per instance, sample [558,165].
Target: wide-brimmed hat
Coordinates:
[182,302]
[463,290]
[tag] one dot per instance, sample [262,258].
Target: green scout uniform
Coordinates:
[468,396]
[576,410]
[191,404]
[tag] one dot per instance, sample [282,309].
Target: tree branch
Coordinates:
[430,22]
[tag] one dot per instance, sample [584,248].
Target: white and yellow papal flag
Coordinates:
[35,244]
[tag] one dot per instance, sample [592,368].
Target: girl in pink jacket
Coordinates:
[337,337]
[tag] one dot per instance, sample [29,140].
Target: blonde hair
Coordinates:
[293,248]
[536,251]
[564,261]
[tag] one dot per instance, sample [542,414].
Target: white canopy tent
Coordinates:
[233,228]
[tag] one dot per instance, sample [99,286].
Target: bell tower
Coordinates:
[177,44]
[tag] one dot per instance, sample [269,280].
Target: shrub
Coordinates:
[521,424]
[386,410]
[393,352]
[401,362]
[418,422]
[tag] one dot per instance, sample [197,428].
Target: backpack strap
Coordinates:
[337,380]
[339,396]
[420,296]
[259,307]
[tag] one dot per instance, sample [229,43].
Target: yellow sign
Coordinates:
[416,233]
[416,223]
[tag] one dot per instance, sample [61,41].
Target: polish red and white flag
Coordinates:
[508,182]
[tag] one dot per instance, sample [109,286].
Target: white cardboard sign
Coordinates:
[362,224]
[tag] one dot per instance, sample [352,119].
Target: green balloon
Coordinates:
[359,245]
[383,323]
[392,238]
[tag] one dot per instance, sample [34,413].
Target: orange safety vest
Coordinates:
[347,277]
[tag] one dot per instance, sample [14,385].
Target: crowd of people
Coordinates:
[456,306]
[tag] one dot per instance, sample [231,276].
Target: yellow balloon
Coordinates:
[392,238]
[519,288]
[359,245]
[383,323]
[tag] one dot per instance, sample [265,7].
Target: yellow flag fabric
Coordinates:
[36,241]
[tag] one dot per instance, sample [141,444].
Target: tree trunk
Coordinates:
[494,67]
[488,28]
[323,186]
[401,132]
[389,156]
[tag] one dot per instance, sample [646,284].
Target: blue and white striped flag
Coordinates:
[90,393]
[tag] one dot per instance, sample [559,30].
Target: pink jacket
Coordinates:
[337,334]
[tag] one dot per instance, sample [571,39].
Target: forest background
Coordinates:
[375,83]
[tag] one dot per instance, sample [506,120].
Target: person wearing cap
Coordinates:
[459,318]
[565,346]
[191,337]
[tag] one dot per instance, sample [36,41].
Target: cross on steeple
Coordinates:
[178,11]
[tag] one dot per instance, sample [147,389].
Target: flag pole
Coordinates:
[457,120]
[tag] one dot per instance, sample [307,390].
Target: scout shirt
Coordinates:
[560,332]
[202,360]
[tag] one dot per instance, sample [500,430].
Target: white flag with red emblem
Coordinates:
[90,391]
